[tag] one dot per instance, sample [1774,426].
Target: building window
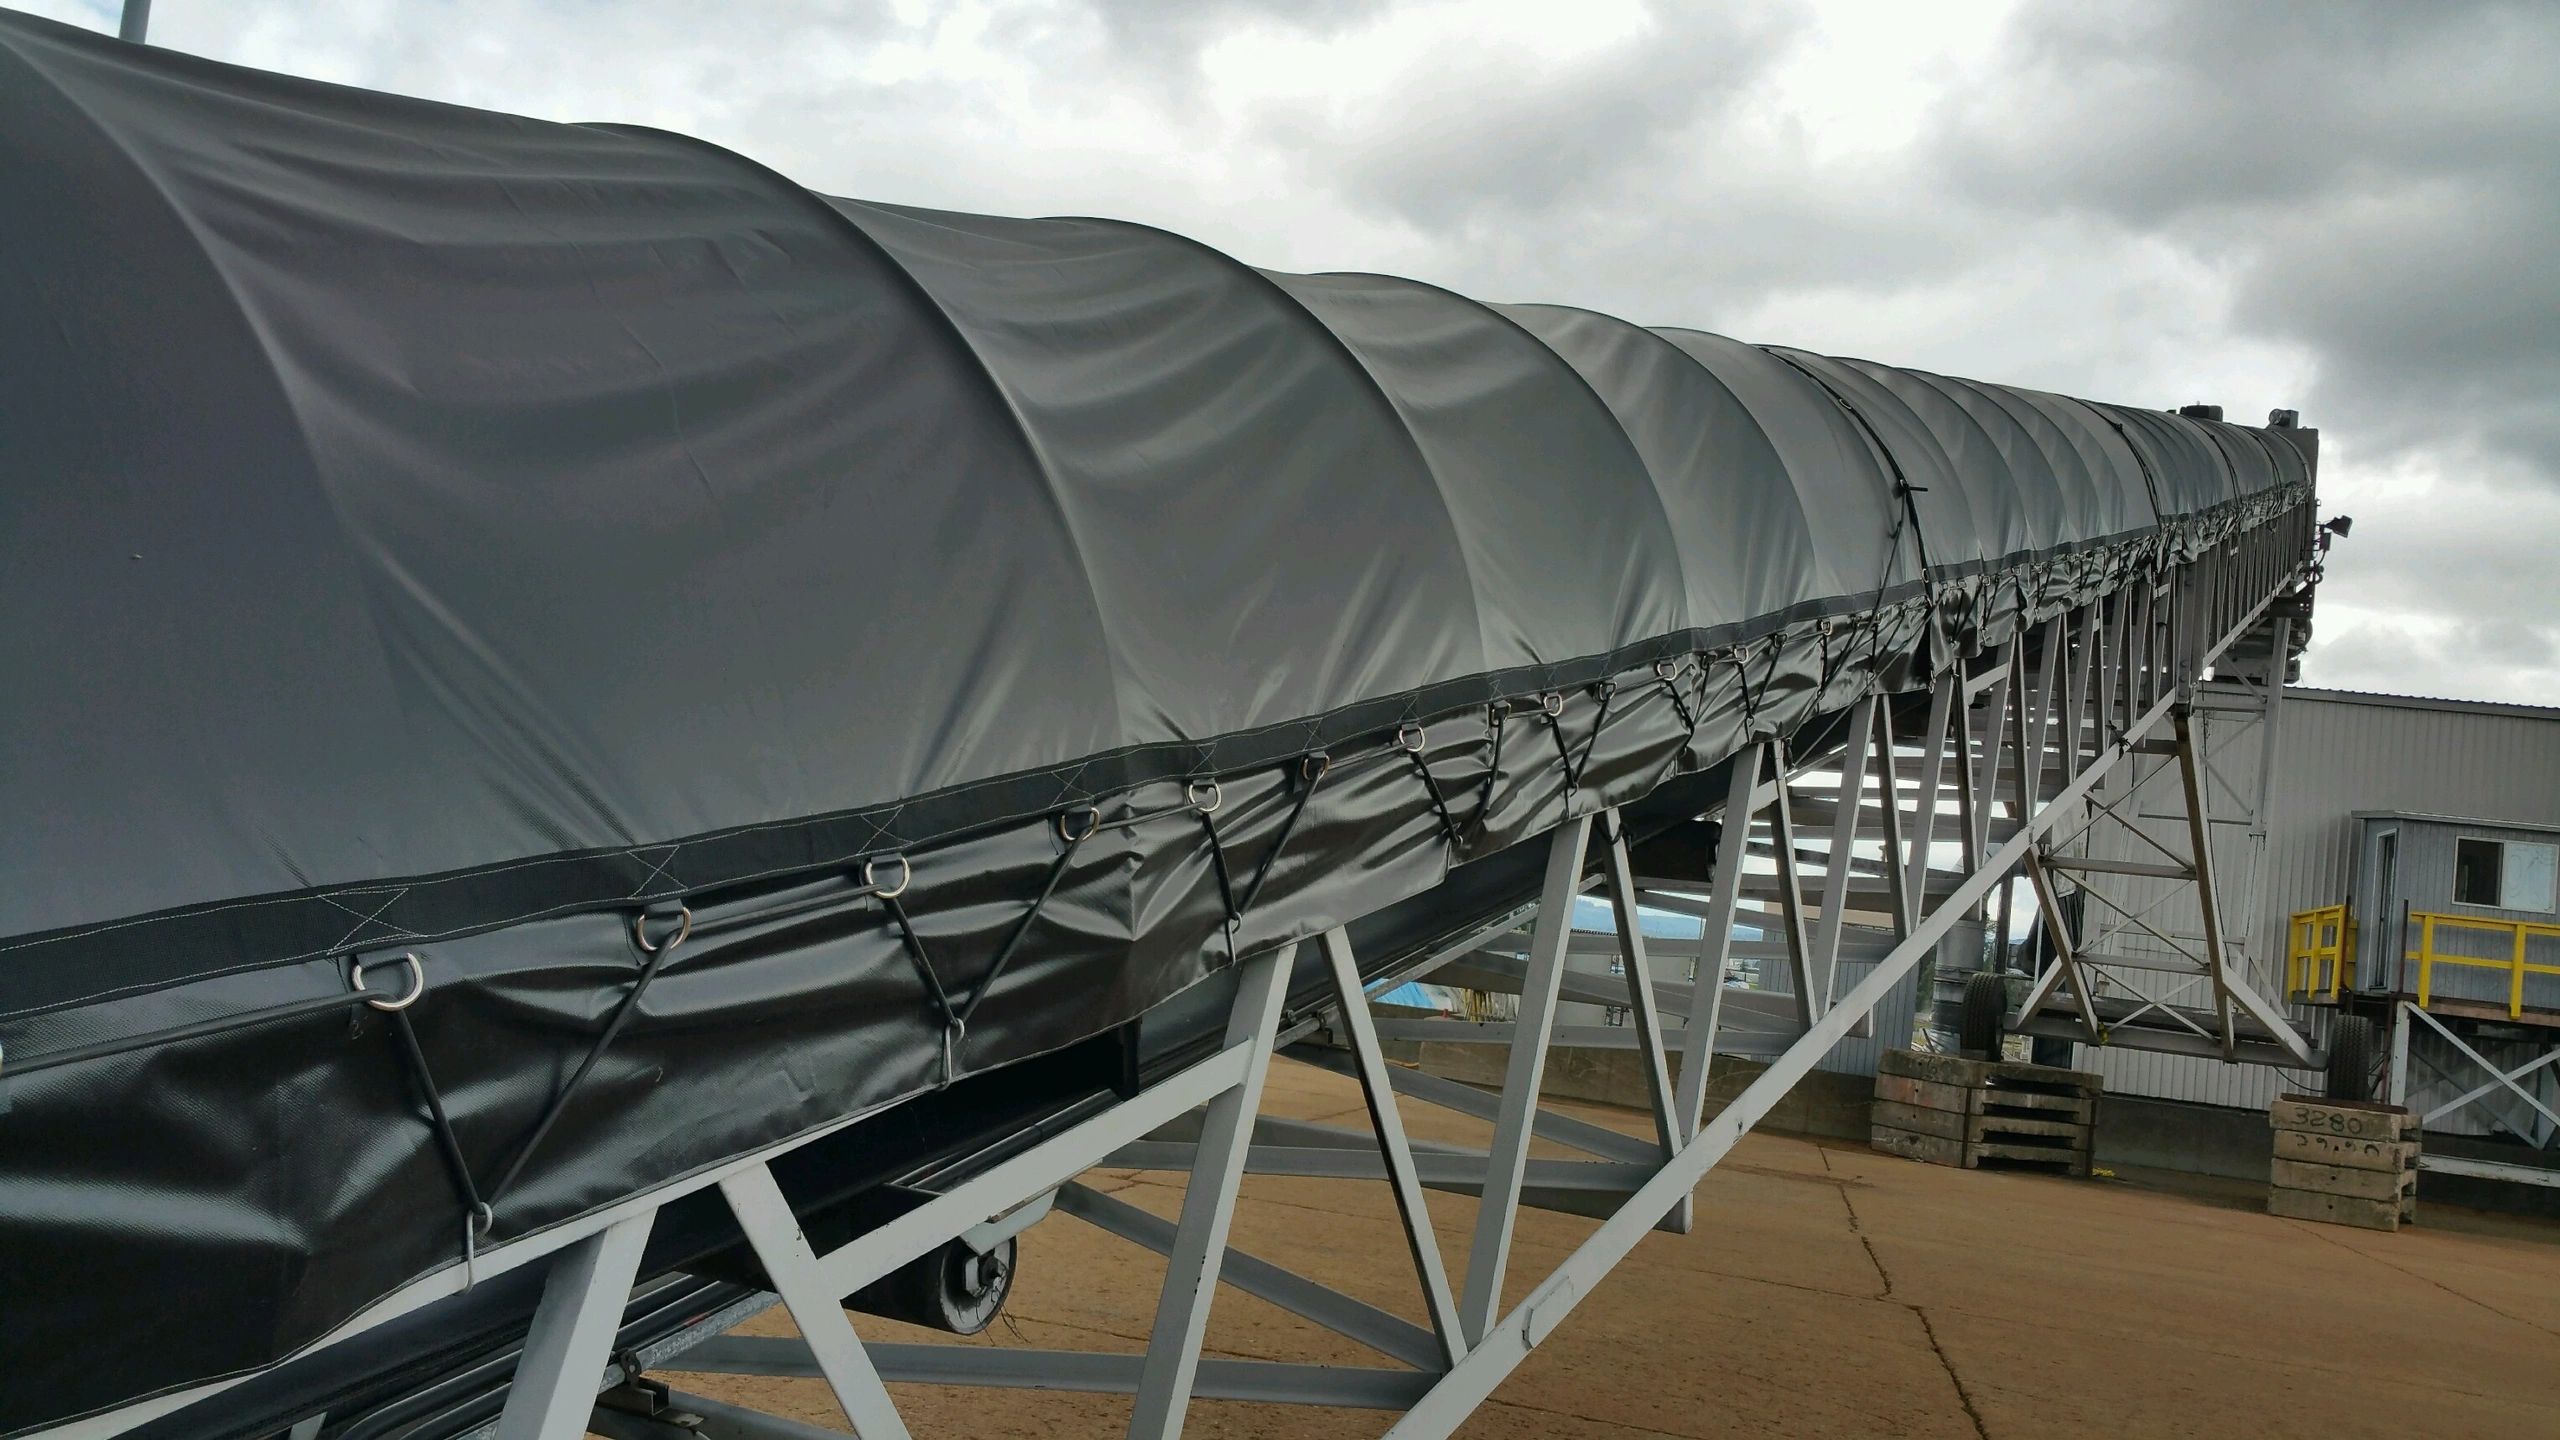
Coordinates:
[2505,875]
[2526,877]
[2475,872]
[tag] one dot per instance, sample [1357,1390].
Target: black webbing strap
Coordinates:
[1904,490]
[955,1018]
[1312,768]
[1742,676]
[928,977]
[1573,775]
[595,1051]
[1013,941]
[1430,782]
[477,1217]
[1226,883]
[1551,710]
[1495,714]
[1665,674]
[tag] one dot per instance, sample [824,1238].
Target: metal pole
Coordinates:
[816,1306]
[2398,1094]
[2266,926]
[1522,1079]
[1209,1204]
[1782,839]
[572,1335]
[136,21]
[1945,708]
[1642,1006]
[2208,893]
[1377,1088]
[1852,793]
[1715,946]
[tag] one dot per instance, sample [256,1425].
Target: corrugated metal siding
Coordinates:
[1894,1017]
[2337,753]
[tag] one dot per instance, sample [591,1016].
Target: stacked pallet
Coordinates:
[2346,1162]
[1952,1111]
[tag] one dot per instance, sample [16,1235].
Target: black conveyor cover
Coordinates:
[442,533]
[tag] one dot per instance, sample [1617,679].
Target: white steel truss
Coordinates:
[1909,841]
[2511,1096]
[2115,975]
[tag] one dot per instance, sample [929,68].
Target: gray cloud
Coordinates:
[2377,183]
[1483,130]
[2380,176]
[1177,29]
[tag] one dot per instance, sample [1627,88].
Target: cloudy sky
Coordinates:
[2352,209]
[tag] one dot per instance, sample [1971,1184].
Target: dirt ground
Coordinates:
[1829,1291]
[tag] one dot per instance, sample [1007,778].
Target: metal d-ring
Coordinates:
[871,880]
[1409,737]
[479,1220]
[1313,767]
[417,984]
[1093,822]
[1217,796]
[1552,703]
[640,931]
[1665,669]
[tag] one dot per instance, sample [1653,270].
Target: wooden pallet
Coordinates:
[2343,1162]
[1948,1110]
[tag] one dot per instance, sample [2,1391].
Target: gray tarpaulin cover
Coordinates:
[439,533]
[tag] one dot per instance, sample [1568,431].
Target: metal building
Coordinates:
[2351,813]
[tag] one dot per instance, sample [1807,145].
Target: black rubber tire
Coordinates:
[1983,1020]
[2352,1047]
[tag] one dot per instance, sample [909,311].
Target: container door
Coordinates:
[2380,945]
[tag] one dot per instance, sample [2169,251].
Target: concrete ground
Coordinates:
[1829,1291]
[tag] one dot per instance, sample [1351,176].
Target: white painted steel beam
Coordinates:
[1209,1204]
[1522,1080]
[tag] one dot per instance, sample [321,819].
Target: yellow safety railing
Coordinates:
[2518,934]
[2320,958]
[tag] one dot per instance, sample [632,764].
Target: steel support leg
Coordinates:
[1377,1087]
[1642,1006]
[1791,916]
[1507,1160]
[2066,957]
[1715,946]
[2208,896]
[1945,709]
[1903,889]
[1854,757]
[816,1307]
[1208,1205]
[2399,1092]
[572,1337]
